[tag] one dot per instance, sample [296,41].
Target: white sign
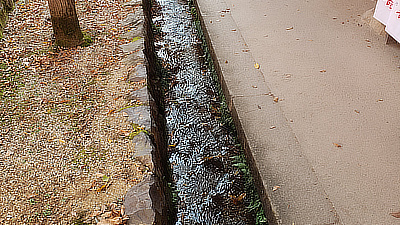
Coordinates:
[383,9]
[393,23]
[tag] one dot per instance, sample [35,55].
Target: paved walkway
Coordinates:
[338,86]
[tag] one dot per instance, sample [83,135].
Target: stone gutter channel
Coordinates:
[164,198]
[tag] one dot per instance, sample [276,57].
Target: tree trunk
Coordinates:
[65,23]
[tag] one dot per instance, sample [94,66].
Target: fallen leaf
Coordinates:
[337,145]
[289,28]
[106,214]
[257,66]
[275,188]
[104,222]
[99,175]
[122,210]
[356,111]
[237,200]
[396,214]
[55,78]
[276,99]
[111,112]
[31,196]
[104,186]
[116,220]
[94,214]
[322,71]
[272,127]
[92,185]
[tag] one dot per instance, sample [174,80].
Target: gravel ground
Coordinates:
[65,152]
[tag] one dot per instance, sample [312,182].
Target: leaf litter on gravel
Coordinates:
[56,132]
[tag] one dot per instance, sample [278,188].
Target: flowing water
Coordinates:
[210,190]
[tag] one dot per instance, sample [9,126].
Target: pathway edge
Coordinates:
[288,185]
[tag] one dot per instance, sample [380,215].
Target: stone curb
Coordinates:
[138,200]
[288,185]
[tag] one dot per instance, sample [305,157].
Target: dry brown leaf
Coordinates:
[276,99]
[116,221]
[122,210]
[237,200]
[115,212]
[95,213]
[99,175]
[104,222]
[111,112]
[257,66]
[337,145]
[31,196]
[106,214]
[275,188]
[396,214]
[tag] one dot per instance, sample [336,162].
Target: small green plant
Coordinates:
[136,39]
[137,130]
[254,202]
[87,39]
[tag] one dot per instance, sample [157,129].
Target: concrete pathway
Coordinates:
[338,85]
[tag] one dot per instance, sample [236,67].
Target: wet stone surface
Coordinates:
[200,147]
